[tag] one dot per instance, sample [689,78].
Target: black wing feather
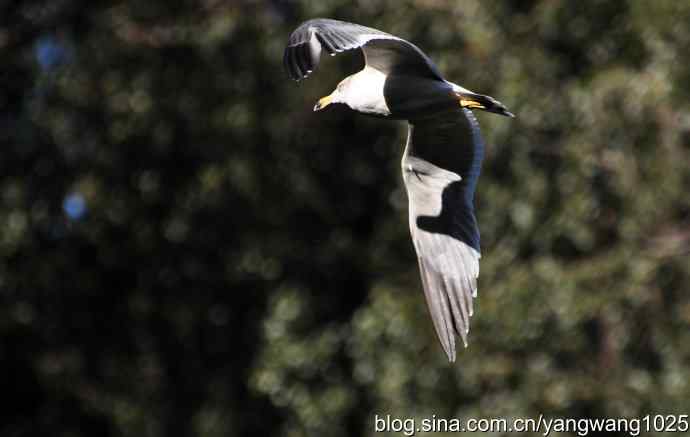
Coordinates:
[382,50]
[441,165]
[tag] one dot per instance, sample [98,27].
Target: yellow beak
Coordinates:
[323,102]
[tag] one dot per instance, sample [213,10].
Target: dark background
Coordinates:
[187,249]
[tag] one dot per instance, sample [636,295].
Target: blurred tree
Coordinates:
[188,250]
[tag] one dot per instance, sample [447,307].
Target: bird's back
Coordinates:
[411,97]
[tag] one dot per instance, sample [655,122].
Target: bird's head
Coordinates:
[337,96]
[362,92]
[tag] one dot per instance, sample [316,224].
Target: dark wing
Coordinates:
[383,51]
[441,165]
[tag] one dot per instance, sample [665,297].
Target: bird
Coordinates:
[441,161]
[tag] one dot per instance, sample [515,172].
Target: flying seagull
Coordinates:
[442,157]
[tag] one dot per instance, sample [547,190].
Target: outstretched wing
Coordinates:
[382,51]
[441,165]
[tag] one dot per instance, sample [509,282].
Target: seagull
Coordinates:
[441,161]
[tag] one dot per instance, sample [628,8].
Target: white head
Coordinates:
[362,92]
[337,96]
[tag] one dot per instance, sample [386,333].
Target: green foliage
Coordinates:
[187,249]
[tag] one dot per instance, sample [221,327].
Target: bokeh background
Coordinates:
[187,249]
